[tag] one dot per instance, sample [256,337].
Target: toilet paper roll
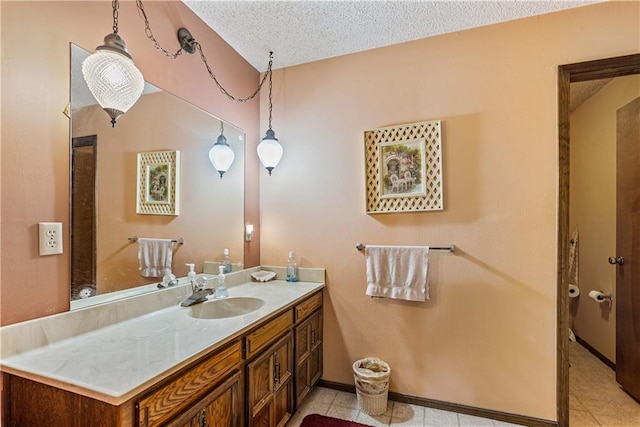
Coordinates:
[597,295]
[574,291]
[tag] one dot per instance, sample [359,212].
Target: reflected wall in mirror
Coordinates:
[104,184]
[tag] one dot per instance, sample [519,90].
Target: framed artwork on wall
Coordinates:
[158,188]
[403,168]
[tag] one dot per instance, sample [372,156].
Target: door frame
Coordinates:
[567,74]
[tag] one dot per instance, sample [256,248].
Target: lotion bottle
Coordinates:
[221,290]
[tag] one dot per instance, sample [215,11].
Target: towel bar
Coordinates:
[179,240]
[450,248]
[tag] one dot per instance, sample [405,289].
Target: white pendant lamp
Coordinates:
[111,75]
[221,154]
[269,150]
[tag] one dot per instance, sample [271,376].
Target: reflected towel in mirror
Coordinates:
[155,256]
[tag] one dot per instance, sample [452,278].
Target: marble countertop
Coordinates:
[115,363]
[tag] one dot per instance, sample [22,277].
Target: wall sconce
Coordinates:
[111,75]
[117,84]
[221,155]
[248,232]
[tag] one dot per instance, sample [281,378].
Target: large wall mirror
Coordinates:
[104,186]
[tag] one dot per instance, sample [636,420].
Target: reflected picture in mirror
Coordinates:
[103,167]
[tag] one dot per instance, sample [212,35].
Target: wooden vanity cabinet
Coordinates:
[256,380]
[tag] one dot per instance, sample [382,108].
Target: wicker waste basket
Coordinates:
[371,376]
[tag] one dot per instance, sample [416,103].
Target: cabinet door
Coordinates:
[315,358]
[303,350]
[308,355]
[260,380]
[283,380]
[270,385]
[220,408]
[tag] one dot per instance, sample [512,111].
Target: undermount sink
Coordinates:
[226,307]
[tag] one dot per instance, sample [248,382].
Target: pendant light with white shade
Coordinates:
[111,75]
[269,149]
[221,154]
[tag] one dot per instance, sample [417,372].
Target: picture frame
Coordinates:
[158,183]
[421,191]
[402,171]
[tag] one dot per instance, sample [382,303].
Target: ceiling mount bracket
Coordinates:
[187,42]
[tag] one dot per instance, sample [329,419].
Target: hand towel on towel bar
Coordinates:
[399,272]
[155,256]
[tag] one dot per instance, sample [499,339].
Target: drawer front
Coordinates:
[167,401]
[307,307]
[264,335]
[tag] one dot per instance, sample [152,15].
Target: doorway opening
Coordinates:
[83,216]
[567,74]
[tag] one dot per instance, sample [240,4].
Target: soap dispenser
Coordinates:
[191,275]
[292,268]
[221,290]
[226,262]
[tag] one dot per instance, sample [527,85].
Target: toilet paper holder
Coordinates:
[607,297]
[600,297]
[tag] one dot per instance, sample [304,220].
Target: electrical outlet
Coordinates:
[50,237]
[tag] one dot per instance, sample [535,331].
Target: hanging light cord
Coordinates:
[149,33]
[222,89]
[270,90]
[115,4]
[197,45]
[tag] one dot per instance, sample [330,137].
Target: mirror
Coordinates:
[104,190]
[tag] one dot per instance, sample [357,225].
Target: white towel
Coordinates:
[399,272]
[155,256]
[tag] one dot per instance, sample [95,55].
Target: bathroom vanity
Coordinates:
[177,366]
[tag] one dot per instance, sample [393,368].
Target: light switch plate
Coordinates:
[50,238]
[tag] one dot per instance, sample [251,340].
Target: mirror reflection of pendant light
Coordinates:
[269,149]
[111,75]
[221,155]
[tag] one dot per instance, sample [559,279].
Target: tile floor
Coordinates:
[595,399]
[344,405]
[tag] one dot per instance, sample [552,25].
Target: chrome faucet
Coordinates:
[199,293]
[197,297]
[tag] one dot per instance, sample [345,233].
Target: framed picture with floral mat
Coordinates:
[403,166]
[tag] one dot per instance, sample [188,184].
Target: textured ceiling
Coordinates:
[304,31]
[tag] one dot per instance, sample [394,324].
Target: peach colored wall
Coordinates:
[35,133]
[487,336]
[593,209]
[214,204]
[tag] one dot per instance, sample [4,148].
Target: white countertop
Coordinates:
[117,362]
